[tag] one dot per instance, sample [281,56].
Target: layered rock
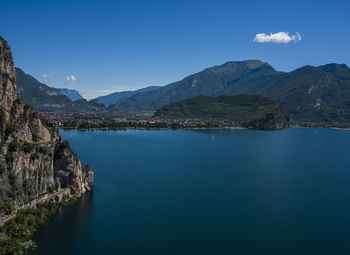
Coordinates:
[35,164]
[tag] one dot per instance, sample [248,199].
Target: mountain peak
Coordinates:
[251,63]
[255,63]
[334,67]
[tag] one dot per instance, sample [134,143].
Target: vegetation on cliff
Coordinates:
[15,236]
[36,166]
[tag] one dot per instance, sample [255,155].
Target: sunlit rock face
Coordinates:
[35,164]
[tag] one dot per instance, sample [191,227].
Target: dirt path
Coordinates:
[32,204]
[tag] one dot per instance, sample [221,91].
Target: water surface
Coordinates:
[208,192]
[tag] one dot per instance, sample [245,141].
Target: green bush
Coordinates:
[50,189]
[34,156]
[16,233]
[26,186]
[13,145]
[12,179]
[65,144]
[6,208]
[11,193]
[27,147]
[10,128]
[9,157]
[43,150]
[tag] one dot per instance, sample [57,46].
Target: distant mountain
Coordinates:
[73,94]
[317,94]
[39,95]
[252,111]
[116,96]
[310,94]
[214,81]
[47,99]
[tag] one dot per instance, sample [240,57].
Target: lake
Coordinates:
[207,192]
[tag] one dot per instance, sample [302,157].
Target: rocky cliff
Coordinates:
[35,164]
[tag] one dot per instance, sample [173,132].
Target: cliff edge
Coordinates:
[35,164]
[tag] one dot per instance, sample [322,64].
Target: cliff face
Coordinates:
[35,164]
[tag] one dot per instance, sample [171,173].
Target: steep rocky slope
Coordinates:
[35,164]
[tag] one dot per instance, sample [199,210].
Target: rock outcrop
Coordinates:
[35,164]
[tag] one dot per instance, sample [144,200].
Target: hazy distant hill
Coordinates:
[320,94]
[245,110]
[47,99]
[73,94]
[116,96]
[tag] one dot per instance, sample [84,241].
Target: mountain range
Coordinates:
[317,94]
[39,95]
[48,99]
[116,96]
[310,94]
[73,94]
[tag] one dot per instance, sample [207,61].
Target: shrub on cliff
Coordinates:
[27,147]
[10,128]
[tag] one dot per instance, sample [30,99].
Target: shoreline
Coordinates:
[200,128]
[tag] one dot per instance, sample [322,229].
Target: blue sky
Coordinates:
[117,45]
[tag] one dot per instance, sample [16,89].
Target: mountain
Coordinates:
[82,105]
[116,96]
[37,169]
[317,94]
[310,94]
[47,99]
[73,94]
[214,81]
[251,111]
[39,95]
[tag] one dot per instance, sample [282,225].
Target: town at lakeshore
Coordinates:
[148,121]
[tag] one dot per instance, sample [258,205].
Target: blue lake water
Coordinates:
[208,192]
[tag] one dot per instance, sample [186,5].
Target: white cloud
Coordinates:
[71,78]
[46,77]
[280,37]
